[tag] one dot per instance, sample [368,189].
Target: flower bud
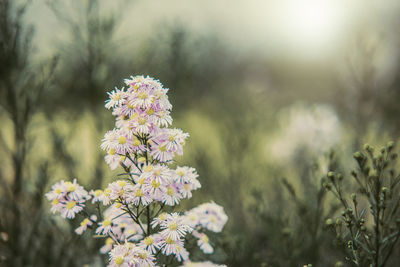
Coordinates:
[358,155]
[390,145]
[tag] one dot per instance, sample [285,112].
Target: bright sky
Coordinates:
[303,29]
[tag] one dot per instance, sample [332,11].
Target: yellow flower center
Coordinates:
[134,115]
[118,205]
[109,241]
[163,148]
[150,111]
[162,216]
[121,183]
[112,151]
[136,142]
[141,181]
[170,241]
[122,140]
[98,192]
[107,222]
[139,193]
[143,95]
[119,260]
[85,222]
[205,239]
[171,138]
[181,173]
[170,191]
[155,184]
[186,186]
[149,241]
[143,255]
[136,86]
[58,191]
[71,204]
[142,121]
[148,168]
[141,159]
[107,191]
[157,173]
[173,226]
[117,97]
[71,188]
[55,201]
[130,106]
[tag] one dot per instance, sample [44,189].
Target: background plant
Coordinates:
[369,225]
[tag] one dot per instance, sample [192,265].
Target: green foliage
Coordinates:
[370,222]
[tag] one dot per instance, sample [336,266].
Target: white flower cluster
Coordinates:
[137,229]
[68,198]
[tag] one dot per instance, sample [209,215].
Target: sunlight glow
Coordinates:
[313,25]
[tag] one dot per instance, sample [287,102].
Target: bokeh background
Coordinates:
[266,89]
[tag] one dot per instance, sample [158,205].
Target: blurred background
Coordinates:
[266,89]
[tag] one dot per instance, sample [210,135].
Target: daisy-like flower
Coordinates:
[121,256]
[58,190]
[112,159]
[162,118]
[97,195]
[186,174]
[181,254]
[137,196]
[110,140]
[174,139]
[85,224]
[172,195]
[143,145]
[203,242]
[151,243]
[192,218]
[123,144]
[170,246]
[158,173]
[107,246]
[104,227]
[76,191]
[56,206]
[120,189]
[68,198]
[141,124]
[211,216]
[144,257]
[159,219]
[116,98]
[174,227]
[71,208]
[161,153]
[141,98]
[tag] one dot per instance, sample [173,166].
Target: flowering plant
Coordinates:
[138,229]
